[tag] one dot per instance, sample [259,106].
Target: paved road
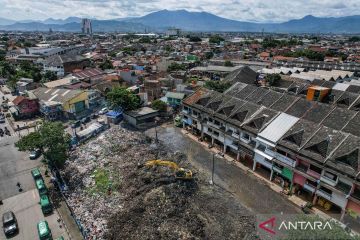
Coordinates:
[15,167]
[250,191]
[28,213]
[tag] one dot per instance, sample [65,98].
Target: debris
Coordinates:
[114,196]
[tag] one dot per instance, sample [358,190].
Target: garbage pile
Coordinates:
[115,196]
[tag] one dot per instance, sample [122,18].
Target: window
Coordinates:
[210,120]
[281,152]
[326,190]
[216,133]
[216,122]
[311,183]
[245,136]
[315,169]
[261,147]
[209,130]
[302,167]
[330,176]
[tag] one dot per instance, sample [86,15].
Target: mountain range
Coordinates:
[190,21]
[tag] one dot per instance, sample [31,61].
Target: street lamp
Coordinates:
[219,154]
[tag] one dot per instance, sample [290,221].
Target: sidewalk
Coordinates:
[293,198]
[65,214]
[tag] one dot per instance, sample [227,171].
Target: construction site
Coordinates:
[124,185]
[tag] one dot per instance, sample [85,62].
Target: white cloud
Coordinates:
[246,10]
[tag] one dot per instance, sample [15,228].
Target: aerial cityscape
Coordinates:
[179,120]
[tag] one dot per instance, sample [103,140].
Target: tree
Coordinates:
[107,64]
[49,76]
[209,55]
[228,63]
[120,97]
[216,39]
[51,139]
[217,85]
[194,39]
[273,79]
[336,231]
[176,67]
[354,39]
[159,105]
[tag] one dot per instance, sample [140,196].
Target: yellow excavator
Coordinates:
[180,173]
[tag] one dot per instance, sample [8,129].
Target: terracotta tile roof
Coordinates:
[195,96]
[18,100]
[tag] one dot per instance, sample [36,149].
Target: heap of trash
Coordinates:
[114,195]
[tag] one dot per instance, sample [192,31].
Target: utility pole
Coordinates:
[213,166]
[213,169]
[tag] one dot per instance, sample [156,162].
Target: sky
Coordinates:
[244,10]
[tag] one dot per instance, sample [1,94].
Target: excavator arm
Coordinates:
[180,173]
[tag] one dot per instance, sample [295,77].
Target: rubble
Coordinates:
[115,197]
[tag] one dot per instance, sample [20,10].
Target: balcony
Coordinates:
[313,173]
[323,194]
[185,111]
[329,181]
[213,125]
[277,169]
[195,115]
[281,158]
[309,187]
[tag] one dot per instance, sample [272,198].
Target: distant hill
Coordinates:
[192,21]
[98,26]
[4,21]
[62,21]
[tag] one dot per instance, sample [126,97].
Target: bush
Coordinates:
[159,105]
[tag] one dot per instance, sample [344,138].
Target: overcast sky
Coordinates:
[247,10]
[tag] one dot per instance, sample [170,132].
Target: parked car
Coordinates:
[44,230]
[46,206]
[10,225]
[85,120]
[36,174]
[103,110]
[34,154]
[2,118]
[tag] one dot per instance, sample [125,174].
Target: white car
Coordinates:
[103,111]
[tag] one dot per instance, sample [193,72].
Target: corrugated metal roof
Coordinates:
[277,128]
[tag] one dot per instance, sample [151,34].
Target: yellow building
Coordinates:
[61,102]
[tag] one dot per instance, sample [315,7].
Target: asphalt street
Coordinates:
[249,190]
[28,213]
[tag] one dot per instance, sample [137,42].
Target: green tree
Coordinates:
[209,55]
[49,76]
[354,39]
[107,64]
[159,105]
[122,98]
[336,231]
[216,39]
[51,139]
[218,86]
[194,39]
[228,63]
[176,67]
[273,79]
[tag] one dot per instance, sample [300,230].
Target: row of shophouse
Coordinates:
[307,147]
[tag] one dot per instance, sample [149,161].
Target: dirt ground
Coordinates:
[115,196]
